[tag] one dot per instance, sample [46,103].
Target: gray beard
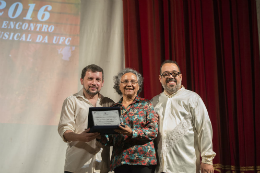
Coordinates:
[172,90]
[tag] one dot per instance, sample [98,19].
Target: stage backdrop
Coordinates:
[44,46]
[216,46]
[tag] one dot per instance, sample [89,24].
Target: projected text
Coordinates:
[16,11]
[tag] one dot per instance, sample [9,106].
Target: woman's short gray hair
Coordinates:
[117,79]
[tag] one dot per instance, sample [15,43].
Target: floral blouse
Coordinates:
[139,148]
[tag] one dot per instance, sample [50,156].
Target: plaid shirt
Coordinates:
[139,148]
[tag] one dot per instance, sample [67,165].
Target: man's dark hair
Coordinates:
[93,68]
[169,61]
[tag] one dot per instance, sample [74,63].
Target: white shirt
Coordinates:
[82,156]
[184,130]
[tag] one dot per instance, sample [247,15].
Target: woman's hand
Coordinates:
[124,130]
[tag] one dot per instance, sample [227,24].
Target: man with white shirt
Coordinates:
[185,131]
[84,153]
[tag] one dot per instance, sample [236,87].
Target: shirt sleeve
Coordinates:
[204,130]
[150,130]
[67,118]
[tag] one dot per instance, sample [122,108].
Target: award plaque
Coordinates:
[104,119]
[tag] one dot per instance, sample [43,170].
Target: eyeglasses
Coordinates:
[133,82]
[167,74]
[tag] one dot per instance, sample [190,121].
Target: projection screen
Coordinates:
[44,45]
[39,43]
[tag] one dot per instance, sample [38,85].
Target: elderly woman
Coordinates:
[133,146]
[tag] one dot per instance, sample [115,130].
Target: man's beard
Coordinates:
[171,89]
[91,93]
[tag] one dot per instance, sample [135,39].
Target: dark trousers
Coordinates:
[134,169]
[67,172]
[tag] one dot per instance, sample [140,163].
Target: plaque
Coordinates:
[104,119]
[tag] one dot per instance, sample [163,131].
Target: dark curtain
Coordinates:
[216,46]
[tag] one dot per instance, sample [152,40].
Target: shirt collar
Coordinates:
[136,99]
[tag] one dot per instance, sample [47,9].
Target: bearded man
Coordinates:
[84,153]
[185,130]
